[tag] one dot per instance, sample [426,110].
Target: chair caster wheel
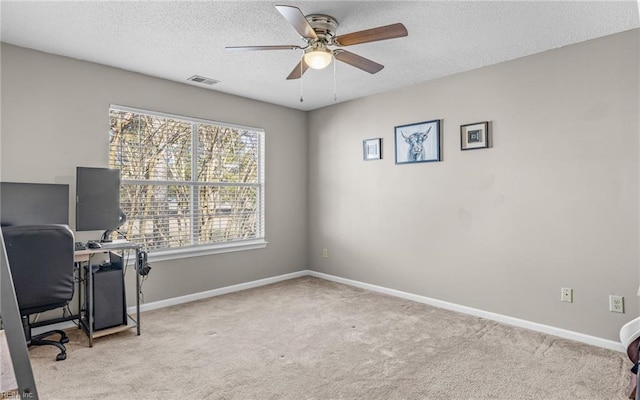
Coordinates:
[61,356]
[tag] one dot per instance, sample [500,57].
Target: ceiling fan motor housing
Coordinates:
[325,26]
[318,55]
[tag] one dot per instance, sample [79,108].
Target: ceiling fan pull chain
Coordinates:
[301,73]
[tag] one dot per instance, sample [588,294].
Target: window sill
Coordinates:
[164,255]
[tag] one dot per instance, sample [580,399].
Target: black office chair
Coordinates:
[41,263]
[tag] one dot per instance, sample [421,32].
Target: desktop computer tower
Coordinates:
[109,301]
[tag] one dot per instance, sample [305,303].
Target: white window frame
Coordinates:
[213,248]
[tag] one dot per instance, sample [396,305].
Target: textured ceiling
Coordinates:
[175,40]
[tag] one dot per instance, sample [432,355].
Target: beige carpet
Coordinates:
[312,339]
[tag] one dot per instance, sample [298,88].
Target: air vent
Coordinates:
[203,80]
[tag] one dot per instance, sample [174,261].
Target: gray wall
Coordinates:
[553,203]
[55,117]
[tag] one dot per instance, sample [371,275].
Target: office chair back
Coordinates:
[41,261]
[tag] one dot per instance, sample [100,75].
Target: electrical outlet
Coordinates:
[325,253]
[616,303]
[566,295]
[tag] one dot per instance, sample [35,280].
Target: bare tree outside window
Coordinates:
[187,182]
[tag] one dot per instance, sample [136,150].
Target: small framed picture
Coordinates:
[474,136]
[372,149]
[419,142]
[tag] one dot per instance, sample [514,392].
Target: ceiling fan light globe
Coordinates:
[318,59]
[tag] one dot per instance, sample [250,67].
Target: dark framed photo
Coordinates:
[419,142]
[474,136]
[372,149]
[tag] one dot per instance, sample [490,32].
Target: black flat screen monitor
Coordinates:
[97,199]
[33,203]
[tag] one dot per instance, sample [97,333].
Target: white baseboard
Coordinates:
[534,326]
[187,298]
[217,292]
[57,325]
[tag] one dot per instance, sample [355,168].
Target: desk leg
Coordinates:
[137,294]
[90,304]
[79,292]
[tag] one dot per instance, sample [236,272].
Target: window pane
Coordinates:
[227,213]
[150,148]
[158,216]
[227,155]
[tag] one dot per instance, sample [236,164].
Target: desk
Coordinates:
[86,318]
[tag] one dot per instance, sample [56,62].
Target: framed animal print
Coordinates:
[419,142]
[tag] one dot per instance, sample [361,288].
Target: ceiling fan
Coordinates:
[322,45]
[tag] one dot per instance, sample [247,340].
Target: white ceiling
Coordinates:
[175,40]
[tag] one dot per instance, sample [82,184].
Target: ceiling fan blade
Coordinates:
[296,18]
[358,61]
[297,71]
[252,48]
[371,35]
